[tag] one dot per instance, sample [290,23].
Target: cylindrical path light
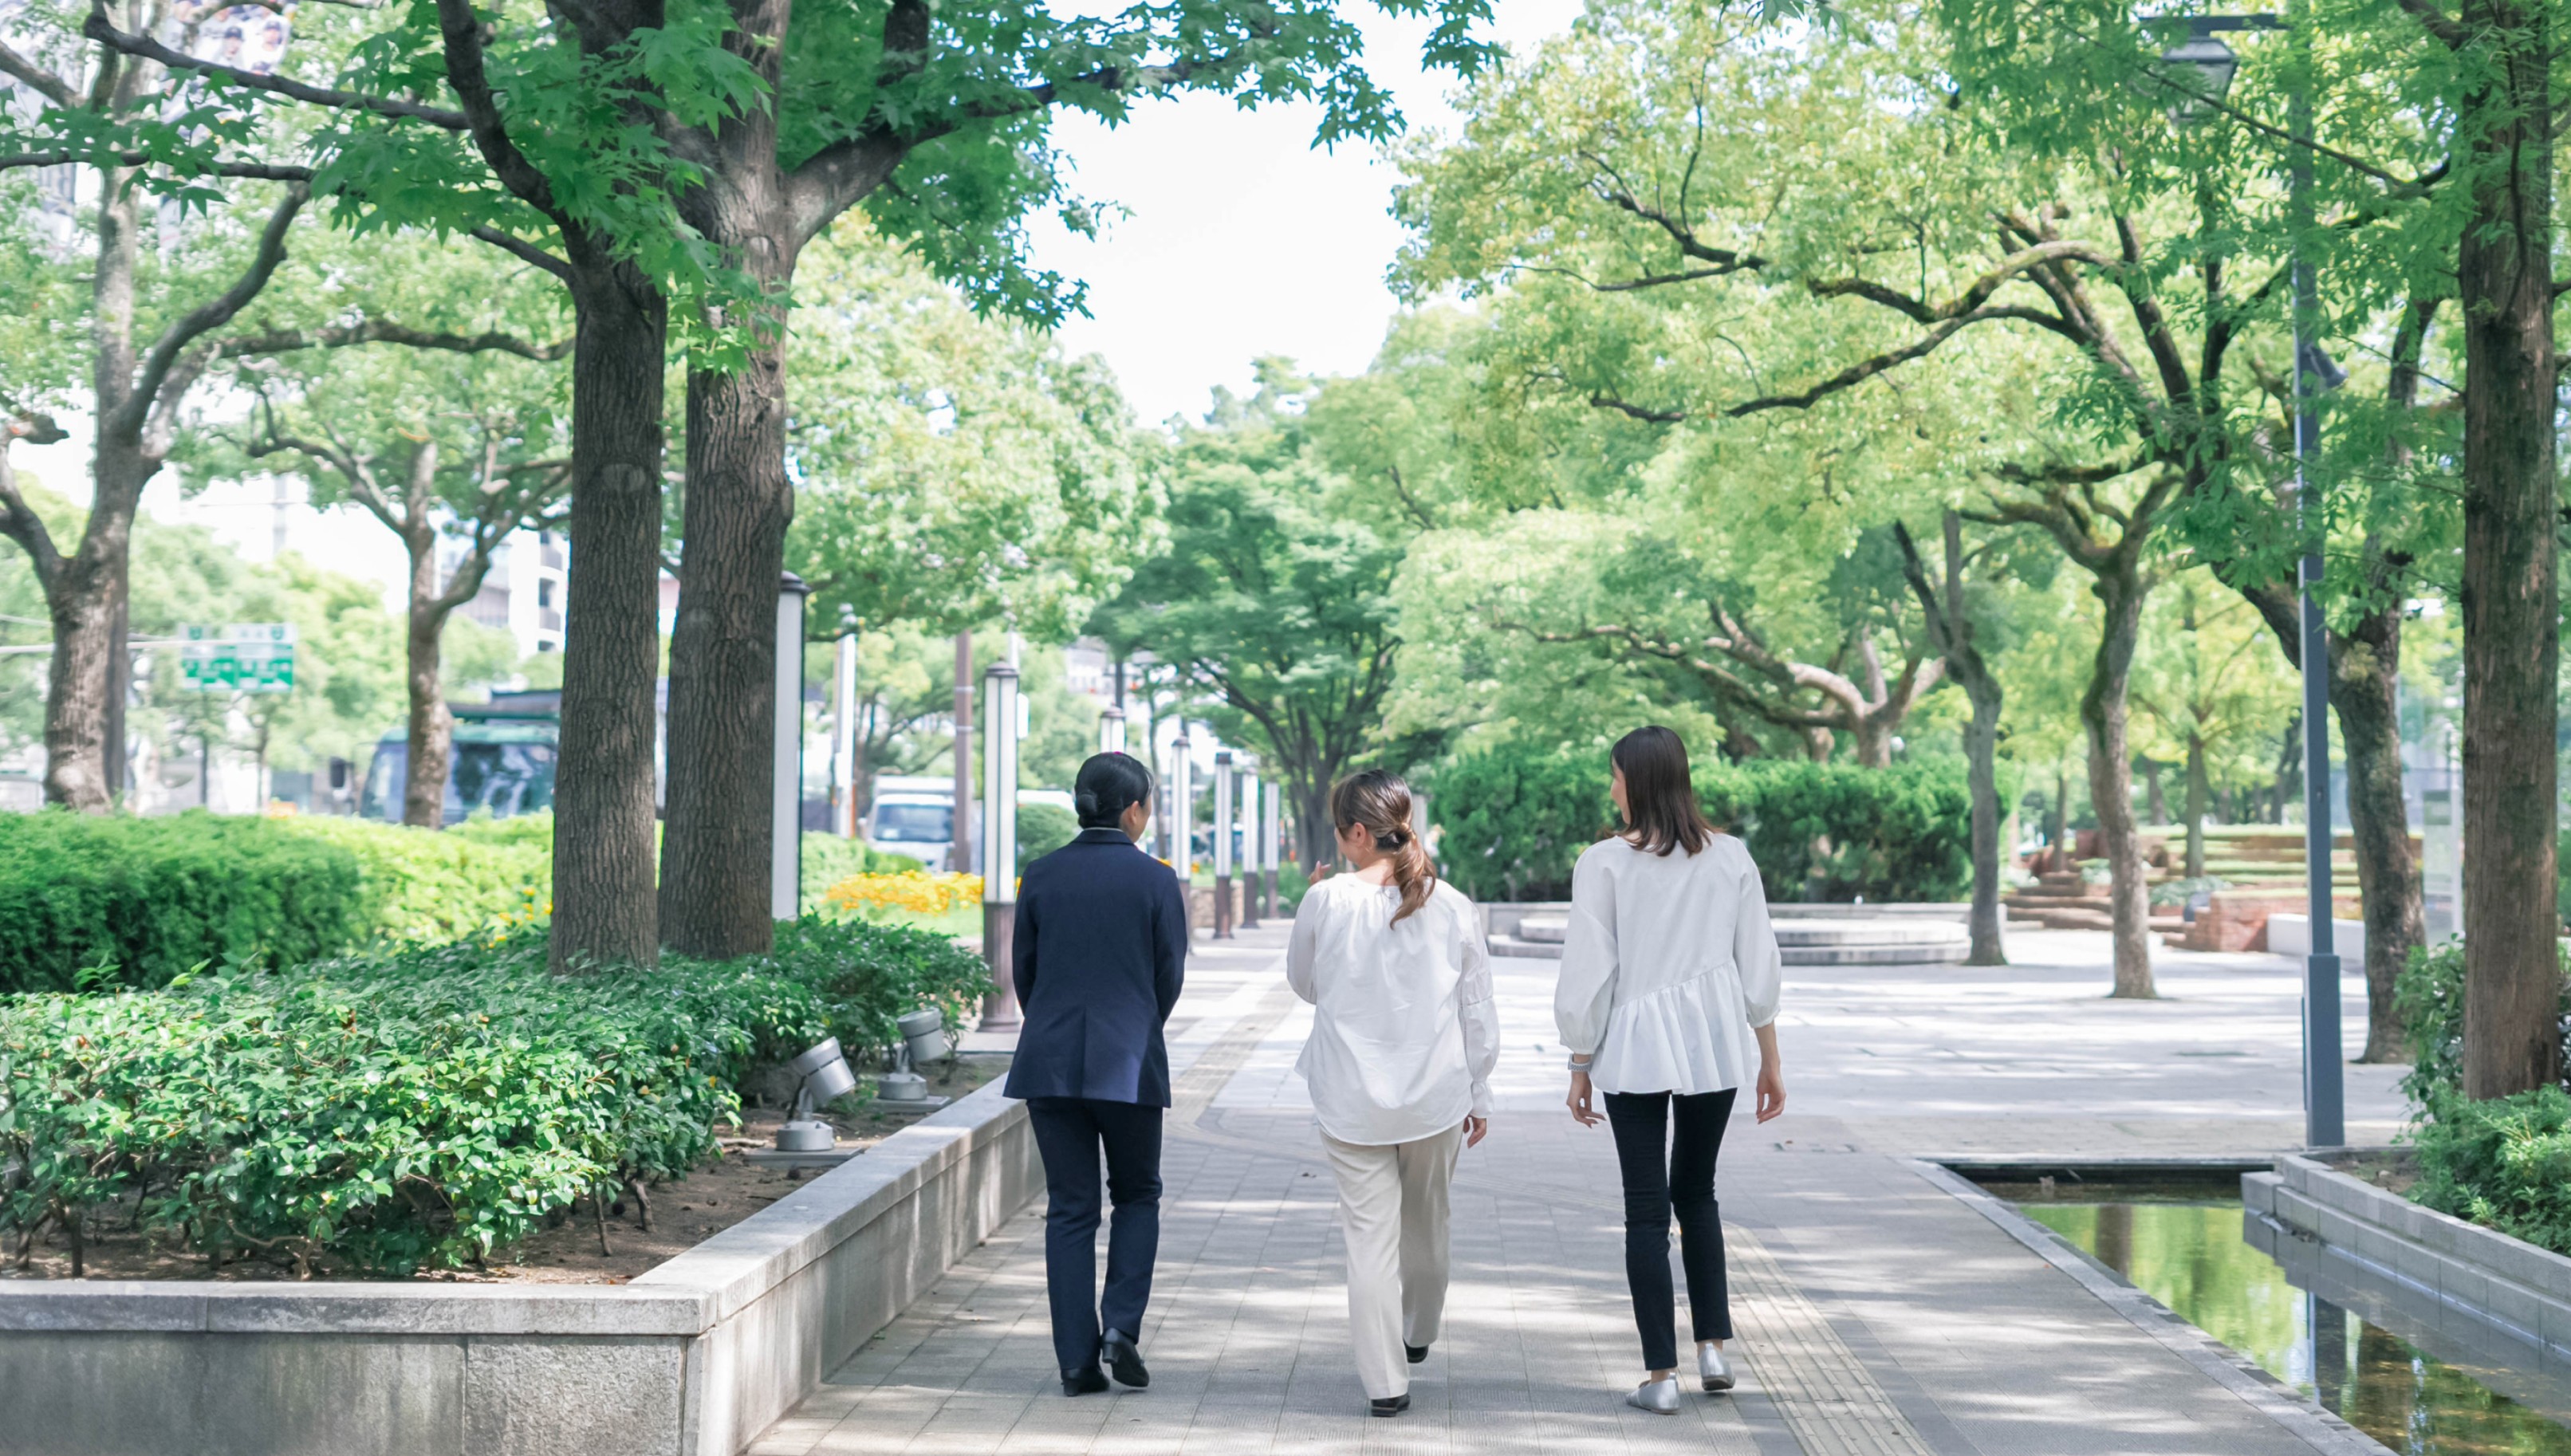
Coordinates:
[844,819]
[1221,835]
[1249,850]
[999,839]
[1183,849]
[786,825]
[1273,831]
[1110,730]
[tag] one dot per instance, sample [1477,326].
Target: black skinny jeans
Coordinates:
[1665,1175]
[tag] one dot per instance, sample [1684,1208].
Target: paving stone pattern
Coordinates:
[1878,1317]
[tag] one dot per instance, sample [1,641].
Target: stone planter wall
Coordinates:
[694,1358]
[2506,1282]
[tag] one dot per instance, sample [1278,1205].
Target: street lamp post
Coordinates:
[785,825]
[2213,64]
[1110,730]
[1221,836]
[1273,807]
[1182,855]
[999,839]
[1250,795]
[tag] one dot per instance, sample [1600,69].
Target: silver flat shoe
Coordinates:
[1660,1397]
[1716,1371]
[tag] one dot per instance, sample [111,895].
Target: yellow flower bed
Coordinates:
[919,892]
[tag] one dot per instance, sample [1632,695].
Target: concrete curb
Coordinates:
[2520,1289]
[2307,1421]
[695,1359]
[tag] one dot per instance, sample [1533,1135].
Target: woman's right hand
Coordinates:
[1578,1102]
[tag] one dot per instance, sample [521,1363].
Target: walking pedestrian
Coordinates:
[1670,974]
[1100,946]
[1404,1036]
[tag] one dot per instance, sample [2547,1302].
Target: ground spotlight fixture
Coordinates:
[923,1038]
[821,1075]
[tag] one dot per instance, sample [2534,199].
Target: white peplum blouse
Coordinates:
[1668,964]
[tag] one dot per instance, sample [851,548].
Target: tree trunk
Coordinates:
[2057,826]
[2120,591]
[1981,777]
[722,663]
[2195,806]
[433,727]
[2151,796]
[84,595]
[1312,822]
[2362,678]
[1873,736]
[603,906]
[2504,282]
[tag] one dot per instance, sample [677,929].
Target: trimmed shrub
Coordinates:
[106,898]
[432,885]
[867,974]
[1514,820]
[1835,832]
[1042,830]
[381,1113]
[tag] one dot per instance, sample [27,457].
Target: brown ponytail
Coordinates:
[1381,802]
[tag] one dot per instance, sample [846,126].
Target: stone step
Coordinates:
[1846,941]
[1794,931]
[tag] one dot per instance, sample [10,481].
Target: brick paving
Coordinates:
[1876,1314]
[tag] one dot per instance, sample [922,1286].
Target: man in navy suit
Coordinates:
[1102,940]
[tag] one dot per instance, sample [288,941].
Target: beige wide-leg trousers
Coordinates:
[1392,1216]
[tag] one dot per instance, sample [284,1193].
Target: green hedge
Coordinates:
[151,897]
[416,1106]
[1513,819]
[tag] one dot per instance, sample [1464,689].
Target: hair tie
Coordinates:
[1393,838]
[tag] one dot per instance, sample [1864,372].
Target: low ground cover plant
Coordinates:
[413,1106]
[2504,1162]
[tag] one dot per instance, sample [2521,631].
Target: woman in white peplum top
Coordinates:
[1669,979]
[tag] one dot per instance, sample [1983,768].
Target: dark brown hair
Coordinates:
[1381,802]
[1660,810]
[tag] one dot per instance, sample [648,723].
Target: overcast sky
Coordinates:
[1242,239]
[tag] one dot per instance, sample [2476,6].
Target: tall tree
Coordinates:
[1953,627]
[1691,260]
[1267,598]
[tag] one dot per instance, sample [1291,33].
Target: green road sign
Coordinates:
[240,657]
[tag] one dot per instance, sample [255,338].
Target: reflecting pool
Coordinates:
[2191,1256]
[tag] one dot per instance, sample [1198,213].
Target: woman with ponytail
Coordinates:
[1405,1037]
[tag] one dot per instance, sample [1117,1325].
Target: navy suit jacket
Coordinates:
[1100,948]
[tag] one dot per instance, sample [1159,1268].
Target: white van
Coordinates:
[914,815]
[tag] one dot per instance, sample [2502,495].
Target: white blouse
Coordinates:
[1669,963]
[1405,1033]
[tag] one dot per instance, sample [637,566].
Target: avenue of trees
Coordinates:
[1848,382]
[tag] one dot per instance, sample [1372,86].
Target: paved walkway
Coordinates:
[1876,1313]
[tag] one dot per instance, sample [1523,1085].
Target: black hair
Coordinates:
[1107,786]
[1662,812]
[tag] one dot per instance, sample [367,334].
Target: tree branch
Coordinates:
[64,156]
[167,351]
[523,250]
[375,331]
[17,521]
[461,31]
[103,30]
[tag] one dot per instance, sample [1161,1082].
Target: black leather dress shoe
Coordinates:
[1126,1360]
[1088,1381]
[1388,1406]
[1416,1353]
